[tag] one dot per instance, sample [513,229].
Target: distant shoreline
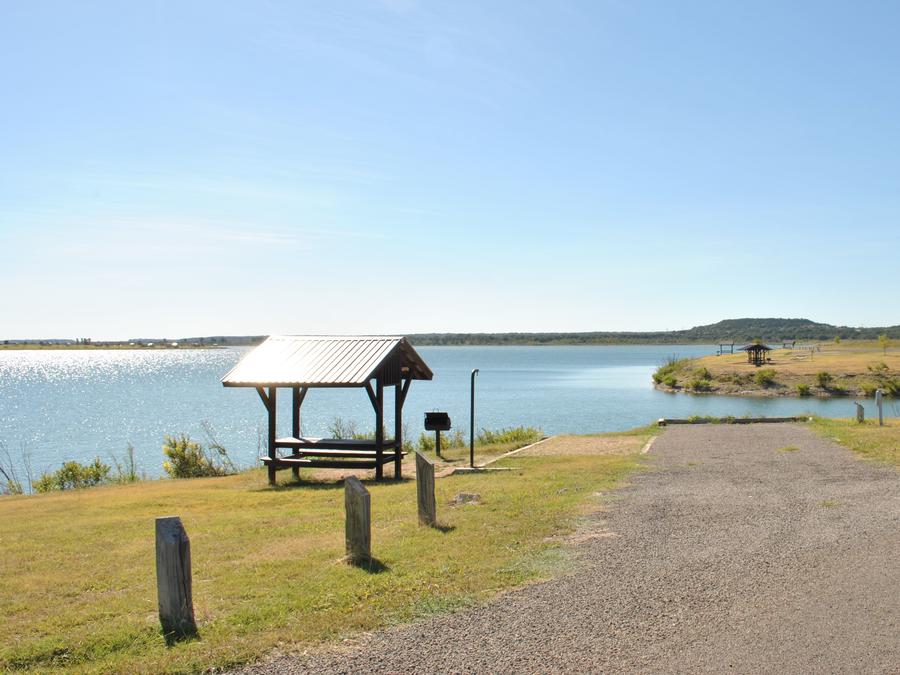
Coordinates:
[102,347]
[728,332]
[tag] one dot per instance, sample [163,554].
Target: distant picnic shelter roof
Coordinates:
[328,361]
[756,353]
[756,348]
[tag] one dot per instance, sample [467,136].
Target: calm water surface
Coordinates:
[61,405]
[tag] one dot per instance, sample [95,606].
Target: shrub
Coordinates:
[700,385]
[9,479]
[703,374]
[670,381]
[188,459]
[126,469]
[823,379]
[672,365]
[523,435]
[765,377]
[341,429]
[803,389]
[735,378]
[73,476]
[868,388]
[892,387]
[426,442]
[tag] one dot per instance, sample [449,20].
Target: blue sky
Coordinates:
[399,166]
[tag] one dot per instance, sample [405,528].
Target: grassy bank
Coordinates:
[869,439]
[78,574]
[824,370]
[488,444]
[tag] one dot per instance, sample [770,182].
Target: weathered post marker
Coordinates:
[425,490]
[860,413]
[358,505]
[173,579]
[879,403]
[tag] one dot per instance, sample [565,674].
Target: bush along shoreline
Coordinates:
[186,457]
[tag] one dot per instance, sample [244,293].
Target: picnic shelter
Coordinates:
[301,363]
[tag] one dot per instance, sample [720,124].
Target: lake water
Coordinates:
[61,405]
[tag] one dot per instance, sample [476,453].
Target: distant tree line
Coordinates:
[736,330]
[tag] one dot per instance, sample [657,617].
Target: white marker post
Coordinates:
[879,403]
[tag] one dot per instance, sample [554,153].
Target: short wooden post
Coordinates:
[879,403]
[173,578]
[357,504]
[425,490]
[860,413]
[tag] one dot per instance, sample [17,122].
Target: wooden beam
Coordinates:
[405,391]
[297,396]
[272,408]
[398,431]
[262,395]
[379,427]
[299,393]
[372,396]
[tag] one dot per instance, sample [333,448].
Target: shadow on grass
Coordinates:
[173,638]
[372,565]
[328,484]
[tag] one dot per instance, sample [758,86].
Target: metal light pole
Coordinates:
[472,422]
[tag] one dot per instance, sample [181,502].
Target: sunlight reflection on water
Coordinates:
[61,405]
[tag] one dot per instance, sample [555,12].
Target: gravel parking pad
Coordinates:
[752,548]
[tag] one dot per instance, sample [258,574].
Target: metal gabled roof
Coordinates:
[324,361]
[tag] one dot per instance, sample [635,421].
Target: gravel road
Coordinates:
[732,553]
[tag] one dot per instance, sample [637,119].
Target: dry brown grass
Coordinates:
[870,440]
[585,445]
[78,567]
[840,360]
[848,365]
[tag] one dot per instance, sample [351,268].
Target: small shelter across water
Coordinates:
[301,363]
[756,354]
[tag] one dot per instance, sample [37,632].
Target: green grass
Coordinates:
[869,439]
[78,573]
[789,448]
[488,443]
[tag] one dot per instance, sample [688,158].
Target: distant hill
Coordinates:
[737,330]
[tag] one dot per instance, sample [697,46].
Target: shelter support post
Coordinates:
[272,406]
[379,428]
[398,431]
[298,394]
